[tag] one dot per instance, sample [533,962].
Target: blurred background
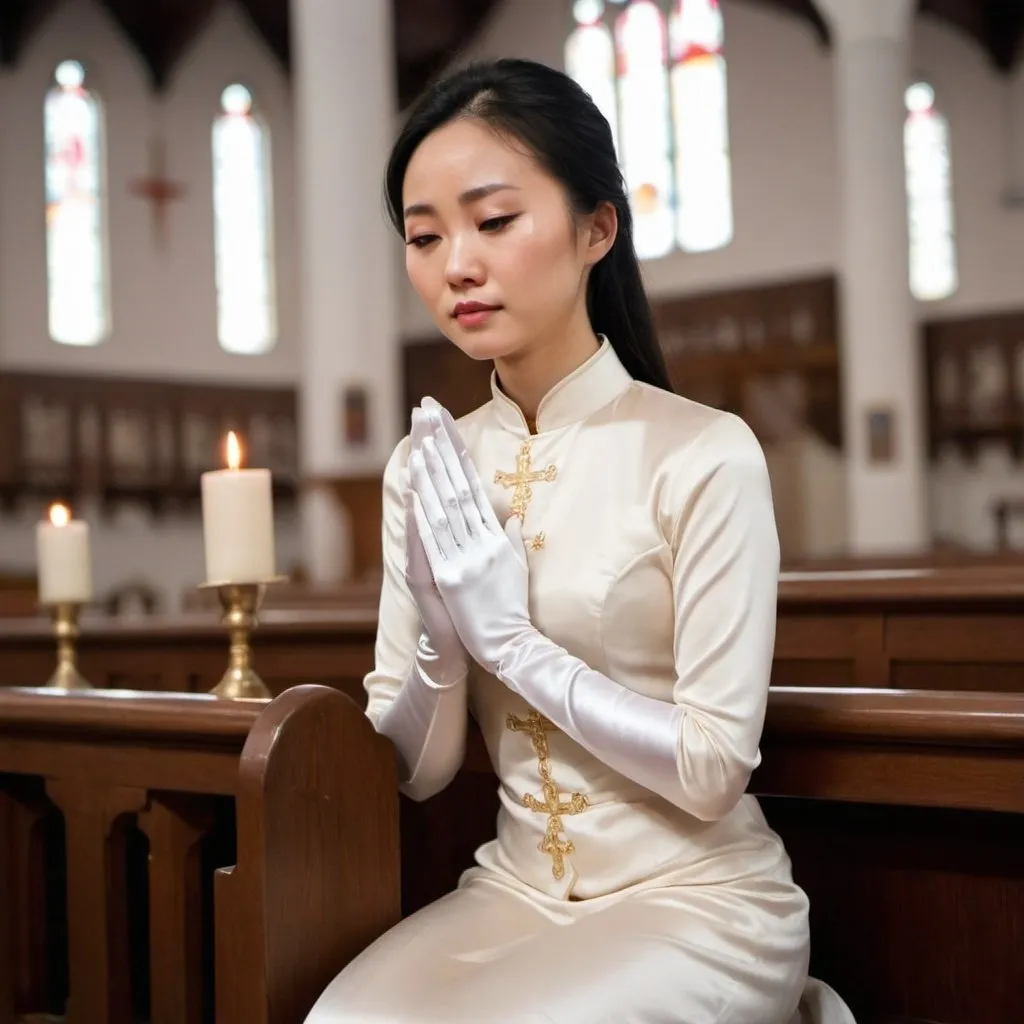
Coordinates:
[830,209]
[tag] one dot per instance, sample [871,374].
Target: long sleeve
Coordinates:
[697,752]
[409,701]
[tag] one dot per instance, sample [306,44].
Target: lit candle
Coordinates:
[238,521]
[64,558]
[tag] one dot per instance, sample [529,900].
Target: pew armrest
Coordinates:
[317,877]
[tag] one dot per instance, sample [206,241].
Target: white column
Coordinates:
[345,106]
[881,371]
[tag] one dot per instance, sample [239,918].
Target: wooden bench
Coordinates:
[914,628]
[265,834]
[903,813]
[952,628]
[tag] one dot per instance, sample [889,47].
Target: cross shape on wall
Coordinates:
[158,190]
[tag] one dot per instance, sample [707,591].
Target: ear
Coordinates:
[602,229]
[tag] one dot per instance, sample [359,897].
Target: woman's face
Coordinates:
[491,247]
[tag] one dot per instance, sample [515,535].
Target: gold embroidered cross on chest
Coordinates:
[522,480]
[537,727]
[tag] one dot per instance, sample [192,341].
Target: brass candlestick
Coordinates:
[65,629]
[241,602]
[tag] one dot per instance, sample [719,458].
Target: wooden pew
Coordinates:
[951,628]
[288,808]
[903,813]
[956,628]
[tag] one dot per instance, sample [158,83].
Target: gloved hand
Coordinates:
[480,570]
[439,652]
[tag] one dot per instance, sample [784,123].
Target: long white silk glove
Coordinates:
[426,720]
[444,657]
[696,757]
[480,569]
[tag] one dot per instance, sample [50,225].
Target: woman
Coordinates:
[613,640]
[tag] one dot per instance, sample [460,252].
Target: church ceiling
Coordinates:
[428,32]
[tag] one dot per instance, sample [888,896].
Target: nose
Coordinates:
[463,266]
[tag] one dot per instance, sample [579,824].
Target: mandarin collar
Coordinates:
[591,386]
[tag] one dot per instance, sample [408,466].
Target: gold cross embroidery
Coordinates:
[521,480]
[537,726]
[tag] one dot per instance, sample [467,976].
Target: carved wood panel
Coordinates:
[974,368]
[768,353]
[749,350]
[66,437]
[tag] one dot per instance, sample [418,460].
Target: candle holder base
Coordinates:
[66,675]
[241,603]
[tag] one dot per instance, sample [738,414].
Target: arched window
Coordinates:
[246,315]
[590,59]
[701,122]
[933,263]
[665,98]
[78,305]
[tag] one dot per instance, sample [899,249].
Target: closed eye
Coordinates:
[421,241]
[493,224]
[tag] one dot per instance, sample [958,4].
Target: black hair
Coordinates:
[558,121]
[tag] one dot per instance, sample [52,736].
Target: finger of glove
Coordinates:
[441,416]
[421,428]
[514,533]
[438,539]
[457,475]
[417,565]
[437,623]
[446,490]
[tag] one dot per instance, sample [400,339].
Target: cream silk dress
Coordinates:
[600,902]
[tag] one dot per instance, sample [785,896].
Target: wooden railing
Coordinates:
[915,628]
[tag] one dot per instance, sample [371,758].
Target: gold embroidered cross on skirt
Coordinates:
[558,848]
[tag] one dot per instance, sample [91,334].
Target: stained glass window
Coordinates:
[590,59]
[933,262]
[701,126]
[76,245]
[667,90]
[645,143]
[246,315]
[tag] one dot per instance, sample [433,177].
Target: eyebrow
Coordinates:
[471,195]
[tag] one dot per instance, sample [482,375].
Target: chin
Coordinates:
[485,344]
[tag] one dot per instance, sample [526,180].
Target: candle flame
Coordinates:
[60,515]
[233,450]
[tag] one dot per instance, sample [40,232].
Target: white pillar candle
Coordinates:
[238,521]
[64,559]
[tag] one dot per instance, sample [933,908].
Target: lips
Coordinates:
[467,308]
